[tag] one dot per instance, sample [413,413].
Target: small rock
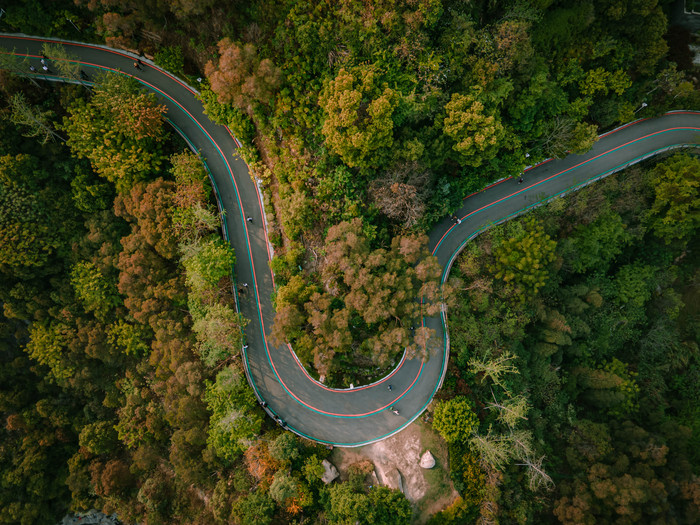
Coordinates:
[331,472]
[427,460]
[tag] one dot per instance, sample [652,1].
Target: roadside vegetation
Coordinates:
[571,395]
[576,402]
[121,380]
[379,119]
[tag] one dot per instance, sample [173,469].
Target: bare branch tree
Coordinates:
[521,442]
[17,65]
[66,64]
[495,450]
[558,133]
[37,122]
[538,478]
[511,410]
[495,368]
[401,193]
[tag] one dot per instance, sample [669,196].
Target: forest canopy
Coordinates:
[587,384]
[572,388]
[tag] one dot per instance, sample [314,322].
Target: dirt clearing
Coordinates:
[396,465]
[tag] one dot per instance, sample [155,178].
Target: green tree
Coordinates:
[675,214]
[120,130]
[97,293]
[235,418]
[283,488]
[455,419]
[389,506]
[475,133]
[206,262]
[635,283]
[130,338]
[256,507]
[524,260]
[90,193]
[285,448]
[347,506]
[219,333]
[99,437]
[313,469]
[48,345]
[358,107]
[595,245]
[27,213]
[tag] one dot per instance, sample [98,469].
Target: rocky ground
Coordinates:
[397,465]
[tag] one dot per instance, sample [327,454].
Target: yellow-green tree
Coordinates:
[475,133]
[524,261]
[455,419]
[120,130]
[675,214]
[358,108]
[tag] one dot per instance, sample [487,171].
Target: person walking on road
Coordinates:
[389,388]
[32,69]
[46,68]
[249,219]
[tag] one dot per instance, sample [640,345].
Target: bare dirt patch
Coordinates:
[396,463]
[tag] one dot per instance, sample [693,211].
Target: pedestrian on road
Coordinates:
[43,60]
[245,346]
[32,69]
[249,219]
[520,181]
[454,218]
[46,68]
[136,66]
[245,285]
[389,388]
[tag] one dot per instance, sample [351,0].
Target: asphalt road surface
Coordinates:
[361,415]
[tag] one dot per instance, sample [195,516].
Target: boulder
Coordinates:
[427,460]
[331,472]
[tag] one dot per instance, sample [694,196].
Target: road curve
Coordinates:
[361,415]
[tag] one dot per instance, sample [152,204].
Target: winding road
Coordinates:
[361,415]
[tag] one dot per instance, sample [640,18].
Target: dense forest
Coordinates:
[389,113]
[122,386]
[573,384]
[571,395]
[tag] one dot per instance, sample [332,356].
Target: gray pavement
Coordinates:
[358,416]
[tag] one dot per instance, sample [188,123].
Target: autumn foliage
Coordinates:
[364,300]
